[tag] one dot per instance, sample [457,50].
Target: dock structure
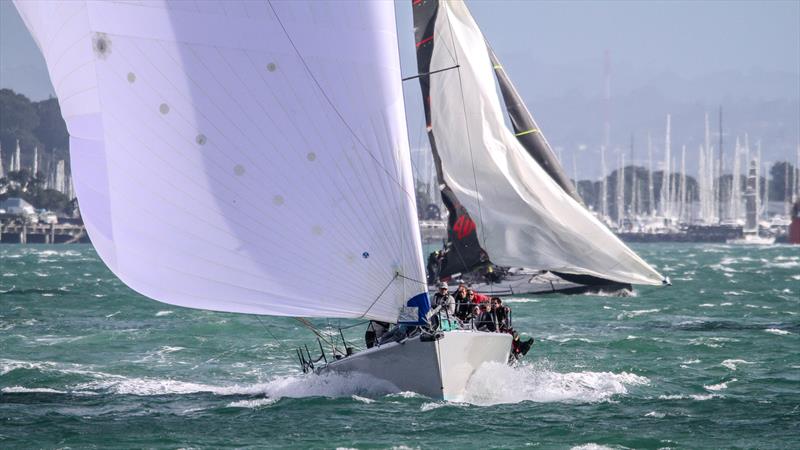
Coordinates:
[17,232]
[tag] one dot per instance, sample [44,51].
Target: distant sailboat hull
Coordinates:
[534,282]
[438,369]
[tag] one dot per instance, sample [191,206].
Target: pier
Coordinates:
[14,232]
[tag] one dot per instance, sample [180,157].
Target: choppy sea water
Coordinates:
[713,361]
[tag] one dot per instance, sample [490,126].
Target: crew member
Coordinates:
[444,301]
[486,320]
[375,330]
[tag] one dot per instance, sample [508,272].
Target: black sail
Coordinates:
[463,252]
[527,132]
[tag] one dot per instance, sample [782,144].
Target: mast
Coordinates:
[750,196]
[606,98]
[634,208]
[674,195]
[621,190]
[574,171]
[796,196]
[603,183]
[758,182]
[762,166]
[15,166]
[708,176]
[735,183]
[720,168]
[787,192]
[665,182]
[682,195]
[35,165]
[651,202]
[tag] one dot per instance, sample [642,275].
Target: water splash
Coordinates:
[498,383]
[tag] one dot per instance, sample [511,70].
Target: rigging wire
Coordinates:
[466,128]
[266,328]
[333,106]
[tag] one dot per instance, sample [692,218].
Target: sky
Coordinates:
[554,48]
[689,38]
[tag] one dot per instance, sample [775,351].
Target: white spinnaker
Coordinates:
[523,217]
[240,156]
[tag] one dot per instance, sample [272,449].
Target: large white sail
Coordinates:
[240,156]
[523,217]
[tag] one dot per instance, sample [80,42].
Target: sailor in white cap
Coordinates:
[444,301]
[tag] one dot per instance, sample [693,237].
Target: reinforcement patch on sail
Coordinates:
[523,217]
[240,156]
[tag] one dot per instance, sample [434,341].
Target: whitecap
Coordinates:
[720,386]
[361,399]
[24,390]
[592,446]
[495,383]
[698,397]
[703,341]
[721,268]
[164,313]
[706,305]
[295,386]
[404,394]
[53,340]
[783,265]
[522,300]
[631,314]
[564,339]
[732,363]
[252,403]
[430,406]
[657,415]
[777,331]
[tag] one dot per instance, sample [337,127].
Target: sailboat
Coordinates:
[750,234]
[252,157]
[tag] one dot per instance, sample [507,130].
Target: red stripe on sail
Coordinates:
[427,39]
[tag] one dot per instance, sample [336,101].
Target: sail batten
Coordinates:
[529,216]
[240,156]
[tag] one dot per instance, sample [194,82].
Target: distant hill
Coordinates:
[34,124]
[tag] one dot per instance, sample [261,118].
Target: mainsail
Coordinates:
[526,212]
[240,156]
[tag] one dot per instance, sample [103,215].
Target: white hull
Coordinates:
[438,369]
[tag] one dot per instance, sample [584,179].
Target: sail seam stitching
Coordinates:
[332,105]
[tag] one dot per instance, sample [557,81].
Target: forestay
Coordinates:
[524,218]
[240,156]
